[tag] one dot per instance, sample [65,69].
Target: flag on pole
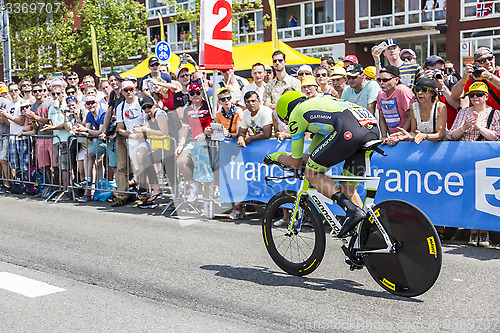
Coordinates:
[95,53]
[162,29]
[274,26]
[484,9]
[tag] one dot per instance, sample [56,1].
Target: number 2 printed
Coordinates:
[218,33]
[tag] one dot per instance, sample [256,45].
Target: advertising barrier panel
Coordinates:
[456,184]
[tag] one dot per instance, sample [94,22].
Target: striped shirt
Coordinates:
[410,73]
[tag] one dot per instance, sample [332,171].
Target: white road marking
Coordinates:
[26,286]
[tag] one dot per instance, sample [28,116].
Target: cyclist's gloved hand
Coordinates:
[273,157]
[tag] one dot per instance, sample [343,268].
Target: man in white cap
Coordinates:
[304,70]
[129,115]
[408,55]
[410,73]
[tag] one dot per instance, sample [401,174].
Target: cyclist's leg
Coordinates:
[332,150]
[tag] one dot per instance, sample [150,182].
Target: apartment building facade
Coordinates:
[339,27]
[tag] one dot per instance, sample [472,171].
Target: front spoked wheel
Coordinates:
[299,251]
[415,265]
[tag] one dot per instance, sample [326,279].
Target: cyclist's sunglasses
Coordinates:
[192,93]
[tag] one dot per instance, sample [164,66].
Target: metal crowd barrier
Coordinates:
[175,188]
[25,150]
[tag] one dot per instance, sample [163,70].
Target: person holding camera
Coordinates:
[154,67]
[434,69]
[483,70]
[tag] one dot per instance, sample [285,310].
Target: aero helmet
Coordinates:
[287,102]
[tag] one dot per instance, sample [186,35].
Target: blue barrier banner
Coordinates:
[455,184]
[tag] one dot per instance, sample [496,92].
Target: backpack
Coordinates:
[30,181]
[174,125]
[17,186]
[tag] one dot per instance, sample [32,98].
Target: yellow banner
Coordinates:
[162,29]
[274,25]
[95,53]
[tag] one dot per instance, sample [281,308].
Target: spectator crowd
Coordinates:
[76,131]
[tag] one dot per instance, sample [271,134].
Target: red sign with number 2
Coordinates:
[216,44]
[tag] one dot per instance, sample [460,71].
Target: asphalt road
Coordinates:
[127,270]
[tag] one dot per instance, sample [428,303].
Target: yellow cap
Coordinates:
[338,72]
[370,71]
[477,86]
[3,89]
[223,89]
[309,80]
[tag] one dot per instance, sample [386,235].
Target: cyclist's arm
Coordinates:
[290,161]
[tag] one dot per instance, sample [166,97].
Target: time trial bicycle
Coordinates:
[396,242]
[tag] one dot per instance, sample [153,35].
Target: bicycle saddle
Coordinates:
[373,145]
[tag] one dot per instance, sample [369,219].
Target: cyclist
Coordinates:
[340,129]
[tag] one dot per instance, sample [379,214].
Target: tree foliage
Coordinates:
[41,36]
[120,27]
[240,10]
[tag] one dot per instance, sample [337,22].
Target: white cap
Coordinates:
[305,68]
[127,84]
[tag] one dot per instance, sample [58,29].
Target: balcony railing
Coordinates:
[400,20]
[168,10]
[249,38]
[181,47]
[311,30]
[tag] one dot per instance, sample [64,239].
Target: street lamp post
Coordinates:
[4,35]
[428,26]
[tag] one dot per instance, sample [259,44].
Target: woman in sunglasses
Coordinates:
[322,75]
[478,122]
[427,116]
[196,118]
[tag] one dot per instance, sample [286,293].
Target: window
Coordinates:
[180,36]
[155,6]
[477,9]
[249,29]
[382,14]
[284,15]
[312,19]
[487,37]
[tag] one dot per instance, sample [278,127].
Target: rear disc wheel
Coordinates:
[416,263]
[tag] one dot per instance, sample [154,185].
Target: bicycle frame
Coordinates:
[320,202]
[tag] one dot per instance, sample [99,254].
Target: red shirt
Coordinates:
[197,120]
[451,112]
[491,88]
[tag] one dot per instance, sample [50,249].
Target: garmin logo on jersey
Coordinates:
[317,115]
[325,213]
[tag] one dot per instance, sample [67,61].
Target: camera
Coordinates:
[449,70]
[438,74]
[477,71]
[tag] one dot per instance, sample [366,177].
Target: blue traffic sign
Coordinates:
[163,51]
